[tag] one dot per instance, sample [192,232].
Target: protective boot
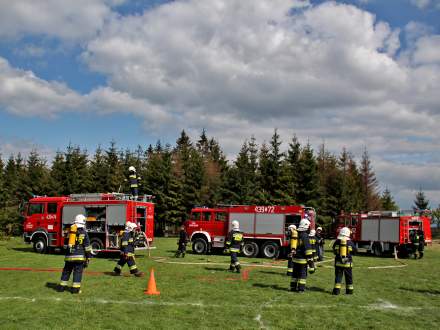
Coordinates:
[238,267]
[75,290]
[139,274]
[336,291]
[348,291]
[183,255]
[420,254]
[293,286]
[231,268]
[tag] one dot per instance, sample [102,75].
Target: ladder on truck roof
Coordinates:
[108,197]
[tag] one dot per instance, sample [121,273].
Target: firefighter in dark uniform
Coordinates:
[234,244]
[134,182]
[292,236]
[312,239]
[77,256]
[320,243]
[183,240]
[302,258]
[418,241]
[127,251]
[342,248]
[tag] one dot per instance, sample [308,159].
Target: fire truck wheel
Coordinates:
[40,244]
[96,245]
[200,246]
[250,249]
[270,250]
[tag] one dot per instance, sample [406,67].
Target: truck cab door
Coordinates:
[35,216]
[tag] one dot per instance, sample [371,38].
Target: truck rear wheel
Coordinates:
[40,244]
[200,246]
[270,250]
[250,249]
[96,245]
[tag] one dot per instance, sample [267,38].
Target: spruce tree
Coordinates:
[308,180]
[370,197]
[387,201]
[58,176]
[99,171]
[115,169]
[421,203]
[36,180]
[330,185]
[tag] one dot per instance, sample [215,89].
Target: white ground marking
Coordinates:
[386,305]
[385,267]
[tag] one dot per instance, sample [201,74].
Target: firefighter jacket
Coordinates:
[343,248]
[133,180]
[78,247]
[319,240]
[234,241]
[303,250]
[127,243]
[183,237]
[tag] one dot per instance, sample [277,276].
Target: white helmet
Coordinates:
[235,225]
[312,232]
[80,221]
[292,227]
[130,226]
[344,233]
[304,224]
[319,228]
[132,169]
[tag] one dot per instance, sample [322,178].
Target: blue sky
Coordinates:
[89,72]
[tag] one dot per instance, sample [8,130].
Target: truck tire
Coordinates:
[40,244]
[250,249]
[377,249]
[270,250]
[96,244]
[200,246]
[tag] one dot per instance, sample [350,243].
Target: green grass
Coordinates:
[205,296]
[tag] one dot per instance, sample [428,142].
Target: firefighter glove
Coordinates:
[86,263]
[311,266]
[226,251]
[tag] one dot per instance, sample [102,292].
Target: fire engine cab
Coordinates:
[264,227]
[381,232]
[47,220]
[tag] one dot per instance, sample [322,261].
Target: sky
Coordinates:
[350,74]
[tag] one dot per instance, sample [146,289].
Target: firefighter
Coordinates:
[418,242]
[183,240]
[127,251]
[342,248]
[320,243]
[134,182]
[292,236]
[77,256]
[234,244]
[302,257]
[312,240]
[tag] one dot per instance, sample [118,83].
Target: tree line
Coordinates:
[198,173]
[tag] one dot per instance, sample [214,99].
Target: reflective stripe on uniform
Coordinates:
[300,261]
[63,283]
[349,265]
[133,267]
[338,285]
[74,258]
[76,284]
[294,280]
[302,281]
[234,250]
[350,286]
[124,243]
[309,252]
[88,248]
[236,263]
[118,266]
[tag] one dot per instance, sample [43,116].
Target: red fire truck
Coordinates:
[264,227]
[381,232]
[47,219]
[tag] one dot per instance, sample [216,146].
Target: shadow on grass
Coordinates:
[425,291]
[24,249]
[273,273]
[217,269]
[316,289]
[270,286]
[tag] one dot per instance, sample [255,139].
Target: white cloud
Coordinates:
[421,4]
[70,20]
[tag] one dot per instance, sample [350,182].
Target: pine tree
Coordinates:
[308,180]
[115,169]
[387,201]
[36,180]
[78,179]
[292,159]
[350,199]
[421,203]
[58,178]
[370,197]
[99,171]
[263,175]
[2,185]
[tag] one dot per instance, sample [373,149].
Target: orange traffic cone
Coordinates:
[151,289]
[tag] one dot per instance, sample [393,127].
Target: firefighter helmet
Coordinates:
[312,232]
[344,233]
[132,169]
[235,225]
[319,228]
[130,226]
[80,221]
[304,224]
[292,227]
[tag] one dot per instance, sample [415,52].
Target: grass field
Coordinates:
[197,293]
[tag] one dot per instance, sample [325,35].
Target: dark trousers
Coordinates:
[289,267]
[181,250]
[234,261]
[134,191]
[131,262]
[320,250]
[77,268]
[340,272]
[299,277]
